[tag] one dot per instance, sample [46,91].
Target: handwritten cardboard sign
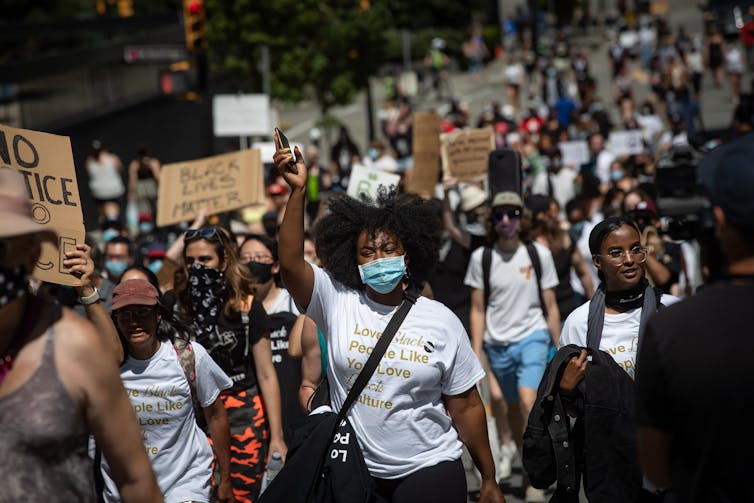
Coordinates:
[464,153]
[366,182]
[426,153]
[220,183]
[625,142]
[46,162]
[574,153]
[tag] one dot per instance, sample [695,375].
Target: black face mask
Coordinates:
[13,283]
[261,272]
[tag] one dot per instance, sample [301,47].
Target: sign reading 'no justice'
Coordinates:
[46,163]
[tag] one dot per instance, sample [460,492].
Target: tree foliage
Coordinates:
[326,50]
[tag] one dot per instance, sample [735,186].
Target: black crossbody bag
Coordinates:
[324,462]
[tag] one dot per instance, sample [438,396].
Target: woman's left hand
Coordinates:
[490,492]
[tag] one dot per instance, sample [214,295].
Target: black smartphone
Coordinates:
[504,171]
[283,142]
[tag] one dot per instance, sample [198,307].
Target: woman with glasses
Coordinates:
[514,313]
[214,293]
[260,254]
[618,254]
[422,402]
[163,400]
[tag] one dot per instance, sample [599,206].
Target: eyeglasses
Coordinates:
[635,254]
[499,215]
[127,315]
[262,259]
[203,233]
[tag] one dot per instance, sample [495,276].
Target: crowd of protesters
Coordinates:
[208,322]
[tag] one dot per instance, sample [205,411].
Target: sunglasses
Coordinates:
[511,214]
[127,315]
[208,233]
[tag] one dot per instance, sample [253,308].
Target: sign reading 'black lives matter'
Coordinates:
[217,184]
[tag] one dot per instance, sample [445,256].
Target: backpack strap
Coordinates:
[246,322]
[187,359]
[537,265]
[486,270]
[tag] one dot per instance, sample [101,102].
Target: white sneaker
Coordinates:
[505,462]
[534,495]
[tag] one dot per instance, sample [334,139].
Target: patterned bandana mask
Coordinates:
[207,290]
[13,283]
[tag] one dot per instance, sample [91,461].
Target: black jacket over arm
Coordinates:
[601,444]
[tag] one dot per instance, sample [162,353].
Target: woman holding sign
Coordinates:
[426,381]
[214,295]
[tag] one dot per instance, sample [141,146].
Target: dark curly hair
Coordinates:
[412,219]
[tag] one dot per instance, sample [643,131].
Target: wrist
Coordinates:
[90,299]
[85,290]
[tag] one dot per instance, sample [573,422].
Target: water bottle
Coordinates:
[273,468]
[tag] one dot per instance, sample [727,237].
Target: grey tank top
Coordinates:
[43,440]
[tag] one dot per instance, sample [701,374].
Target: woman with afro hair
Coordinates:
[426,381]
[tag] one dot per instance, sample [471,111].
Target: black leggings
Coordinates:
[442,483]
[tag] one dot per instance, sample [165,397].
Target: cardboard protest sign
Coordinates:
[464,153]
[625,142]
[574,153]
[365,181]
[426,153]
[220,183]
[46,162]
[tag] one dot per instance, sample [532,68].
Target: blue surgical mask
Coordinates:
[384,274]
[616,175]
[155,266]
[115,268]
[372,152]
[146,227]
[109,234]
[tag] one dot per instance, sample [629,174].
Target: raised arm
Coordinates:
[296,272]
[81,265]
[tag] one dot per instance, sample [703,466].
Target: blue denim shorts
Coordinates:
[520,364]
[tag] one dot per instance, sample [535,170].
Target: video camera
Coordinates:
[681,199]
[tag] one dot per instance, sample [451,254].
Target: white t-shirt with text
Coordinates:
[514,310]
[161,398]
[620,333]
[399,418]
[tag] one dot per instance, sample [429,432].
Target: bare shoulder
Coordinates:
[76,337]
[80,357]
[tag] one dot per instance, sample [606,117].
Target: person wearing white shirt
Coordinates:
[422,401]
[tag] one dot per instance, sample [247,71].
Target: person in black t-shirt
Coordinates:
[214,294]
[694,376]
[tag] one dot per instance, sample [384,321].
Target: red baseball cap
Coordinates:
[135,292]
